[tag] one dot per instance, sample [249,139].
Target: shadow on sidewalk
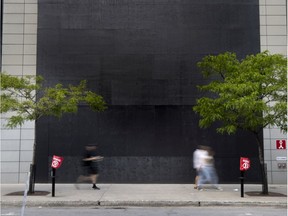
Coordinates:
[259,193]
[21,193]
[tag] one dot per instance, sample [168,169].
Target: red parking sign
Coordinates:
[56,161]
[280,144]
[244,164]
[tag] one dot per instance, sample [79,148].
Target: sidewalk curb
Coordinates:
[188,203]
[142,203]
[144,195]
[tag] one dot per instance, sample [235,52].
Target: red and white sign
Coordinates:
[280,144]
[244,164]
[56,161]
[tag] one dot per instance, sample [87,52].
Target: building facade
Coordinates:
[273,33]
[19,49]
[141,62]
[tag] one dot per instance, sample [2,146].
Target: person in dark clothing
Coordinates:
[90,166]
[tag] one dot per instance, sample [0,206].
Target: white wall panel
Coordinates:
[273,30]
[19,41]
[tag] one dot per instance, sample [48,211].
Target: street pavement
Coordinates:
[67,195]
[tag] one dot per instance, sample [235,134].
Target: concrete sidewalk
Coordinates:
[143,195]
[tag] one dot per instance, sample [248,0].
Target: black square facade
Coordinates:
[141,56]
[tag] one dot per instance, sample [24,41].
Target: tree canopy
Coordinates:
[27,99]
[247,94]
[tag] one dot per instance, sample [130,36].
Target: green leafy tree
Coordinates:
[249,94]
[26,99]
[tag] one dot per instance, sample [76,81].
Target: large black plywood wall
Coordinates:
[141,56]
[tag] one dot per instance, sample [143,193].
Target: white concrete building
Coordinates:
[273,33]
[19,51]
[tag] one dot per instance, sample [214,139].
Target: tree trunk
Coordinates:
[262,165]
[33,165]
[32,178]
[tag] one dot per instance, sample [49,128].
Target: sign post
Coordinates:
[56,163]
[244,165]
[53,173]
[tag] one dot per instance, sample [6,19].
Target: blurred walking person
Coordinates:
[199,156]
[208,172]
[90,166]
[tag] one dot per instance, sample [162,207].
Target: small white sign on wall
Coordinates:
[281,158]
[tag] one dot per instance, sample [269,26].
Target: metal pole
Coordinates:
[242,183]
[53,181]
